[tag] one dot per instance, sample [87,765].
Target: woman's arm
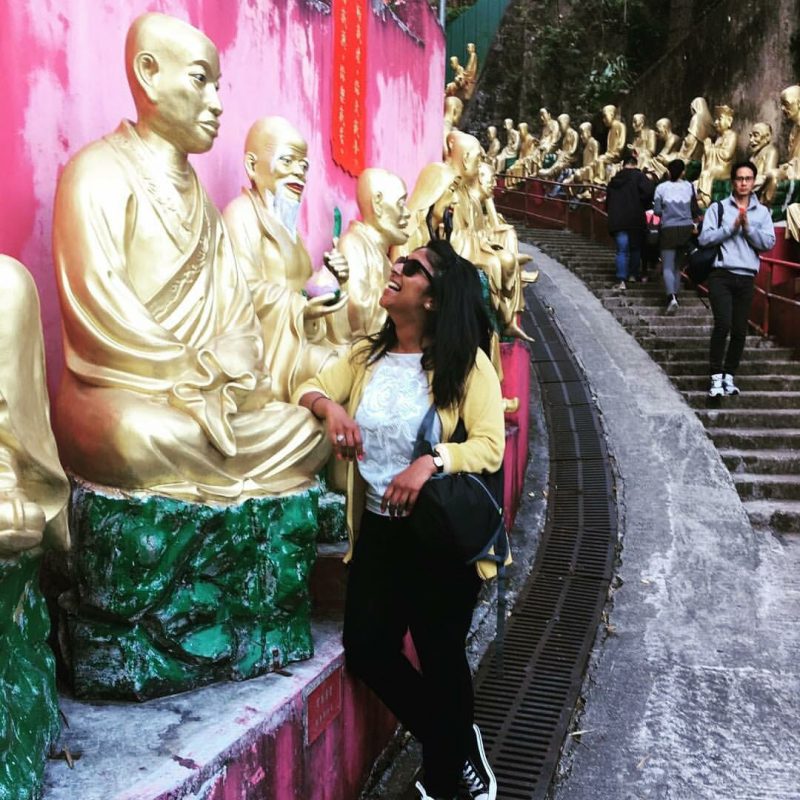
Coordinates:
[343,430]
[482,412]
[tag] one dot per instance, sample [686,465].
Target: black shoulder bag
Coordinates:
[459,515]
[701,259]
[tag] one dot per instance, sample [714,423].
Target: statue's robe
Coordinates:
[29,465]
[370,268]
[263,250]
[164,387]
[717,162]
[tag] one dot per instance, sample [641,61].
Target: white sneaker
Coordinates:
[477,777]
[672,306]
[728,385]
[619,287]
[423,794]
[716,389]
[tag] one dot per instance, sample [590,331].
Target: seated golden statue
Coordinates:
[669,147]
[471,236]
[549,140]
[453,109]
[511,150]
[33,487]
[701,126]
[456,87]
[718,154]
[527,146]
[762,152]
[430,207]
[644,141]
[262,223]
[589,157]
[615,145]
[567,152]
[493,147]
[470,71]
[790,169]
[381,197]
[164,387]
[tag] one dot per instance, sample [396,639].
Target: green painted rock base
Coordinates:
[29,721]
[332,515]
[169,595]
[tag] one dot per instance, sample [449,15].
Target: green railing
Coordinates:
[479,25]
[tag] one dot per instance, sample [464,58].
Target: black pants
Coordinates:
[731,296]
[390,590]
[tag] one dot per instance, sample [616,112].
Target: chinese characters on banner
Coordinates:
[349,84]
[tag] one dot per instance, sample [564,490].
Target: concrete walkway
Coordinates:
[694,688]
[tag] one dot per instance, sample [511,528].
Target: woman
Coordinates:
[431,350]
[675,203]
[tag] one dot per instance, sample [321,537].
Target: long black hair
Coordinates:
[455,328]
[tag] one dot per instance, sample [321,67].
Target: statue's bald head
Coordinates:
[162,36]
[453,109]
[381,197]
[173,72]
[790,103]
[276,156]
[563,121]
[465,154]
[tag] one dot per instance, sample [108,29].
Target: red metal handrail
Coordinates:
[776,308]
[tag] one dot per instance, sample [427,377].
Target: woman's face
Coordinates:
[408,289]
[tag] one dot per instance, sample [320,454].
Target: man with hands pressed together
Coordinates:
[744,232]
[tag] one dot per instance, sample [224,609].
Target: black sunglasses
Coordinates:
[410,267]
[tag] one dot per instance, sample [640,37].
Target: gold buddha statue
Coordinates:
[615,145]
[644,140]
[262,223]
[470,71]
[549,140]
[589,156]
[511,150]
[566,153]
[790,169]
[164,388]
[762,152]
[457,86]
[701,126]
[471,235]
[430,207]
[527,146]
[669,141]
[453,109]
[34,490]
[381,197]
[493,146]
[718,154]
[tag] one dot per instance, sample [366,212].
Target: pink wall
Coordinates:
[65,86]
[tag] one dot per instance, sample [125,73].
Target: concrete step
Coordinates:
[698,365]
[729,417]
[747,383]
[778,461]
[774,515]
[677,331]
[755,438]
[766,402]
[767,487]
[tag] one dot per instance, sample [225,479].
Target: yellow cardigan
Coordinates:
[481,409]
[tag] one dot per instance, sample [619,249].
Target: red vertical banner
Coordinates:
[349,84]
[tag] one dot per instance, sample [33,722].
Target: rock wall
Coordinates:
[740,53]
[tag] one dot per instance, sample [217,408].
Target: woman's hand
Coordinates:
[402,492]
[343,430]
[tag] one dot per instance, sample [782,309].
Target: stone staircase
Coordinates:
[756,433]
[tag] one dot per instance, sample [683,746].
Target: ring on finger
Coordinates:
[339,438]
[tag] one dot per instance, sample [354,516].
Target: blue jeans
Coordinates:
[629,255]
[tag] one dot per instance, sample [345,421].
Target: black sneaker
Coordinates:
[423,793]
[477,777]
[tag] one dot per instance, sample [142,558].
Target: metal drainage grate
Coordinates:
[524,714]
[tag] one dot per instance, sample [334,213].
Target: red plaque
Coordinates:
[323,705]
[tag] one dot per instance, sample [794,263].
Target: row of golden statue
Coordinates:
[561,153]
[186,330]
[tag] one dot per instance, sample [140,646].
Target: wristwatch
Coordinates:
[438,462]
